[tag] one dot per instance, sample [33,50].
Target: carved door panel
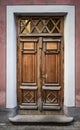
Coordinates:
[27,73]
[51,73]
[39,73]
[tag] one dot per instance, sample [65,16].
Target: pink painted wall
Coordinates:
[3,4]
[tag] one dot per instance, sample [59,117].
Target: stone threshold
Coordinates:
[61,119]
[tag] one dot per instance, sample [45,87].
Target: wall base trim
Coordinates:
[7,112]
[72,111]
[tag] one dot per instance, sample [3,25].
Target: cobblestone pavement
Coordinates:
[8,126]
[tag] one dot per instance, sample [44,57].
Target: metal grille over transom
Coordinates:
[40,25]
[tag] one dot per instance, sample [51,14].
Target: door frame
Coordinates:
[69,46]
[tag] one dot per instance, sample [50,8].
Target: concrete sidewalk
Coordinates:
[8,126]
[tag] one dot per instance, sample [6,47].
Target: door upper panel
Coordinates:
[52,62]
[29,61]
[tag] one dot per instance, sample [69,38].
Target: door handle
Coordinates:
[44,76]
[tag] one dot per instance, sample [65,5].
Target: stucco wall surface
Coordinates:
[3,4]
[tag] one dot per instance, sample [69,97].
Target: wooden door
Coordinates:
[51,73]
[39,73]
[40,63]
[28,73]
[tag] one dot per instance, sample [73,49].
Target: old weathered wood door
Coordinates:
[40,63]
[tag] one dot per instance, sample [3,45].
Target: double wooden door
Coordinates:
[40,73]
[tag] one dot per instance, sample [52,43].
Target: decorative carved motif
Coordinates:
[28,96]
[51,97]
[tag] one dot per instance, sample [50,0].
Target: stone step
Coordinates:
[41,119]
